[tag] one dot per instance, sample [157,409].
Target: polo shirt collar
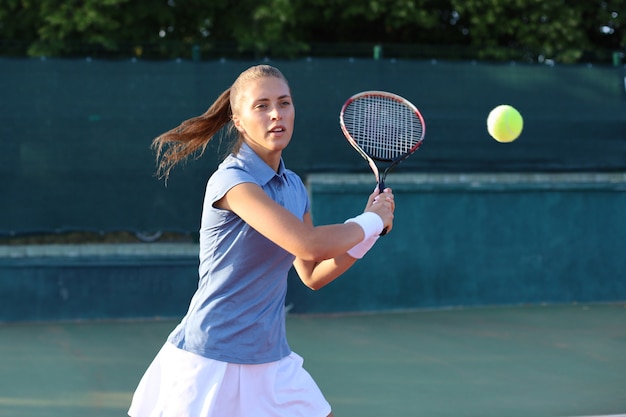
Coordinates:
[261,170]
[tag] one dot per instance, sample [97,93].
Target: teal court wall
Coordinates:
[91,282]
[458,240]
[480,239]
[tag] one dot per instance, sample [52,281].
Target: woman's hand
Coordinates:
[383,205]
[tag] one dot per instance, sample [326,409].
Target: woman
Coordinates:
[229,356]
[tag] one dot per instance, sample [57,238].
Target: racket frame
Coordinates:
[380,179]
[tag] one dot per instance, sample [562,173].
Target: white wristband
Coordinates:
[371,223]
[360,249]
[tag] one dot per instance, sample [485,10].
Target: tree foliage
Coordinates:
[530,30]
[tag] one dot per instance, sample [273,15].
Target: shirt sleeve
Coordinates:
[223,180]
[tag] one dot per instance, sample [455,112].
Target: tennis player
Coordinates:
[229,356]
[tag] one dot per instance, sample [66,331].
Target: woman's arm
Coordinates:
[311,245]
[316,275]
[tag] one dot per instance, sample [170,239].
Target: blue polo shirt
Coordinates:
[237,314]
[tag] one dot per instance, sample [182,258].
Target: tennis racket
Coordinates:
[382,127]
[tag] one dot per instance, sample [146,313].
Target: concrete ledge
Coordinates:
[479,182]
[107,249]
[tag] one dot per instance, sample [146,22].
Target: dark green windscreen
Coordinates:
[75,134]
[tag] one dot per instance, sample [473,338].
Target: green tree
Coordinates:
[18,22]
[390,21]
[539,29]
[68,24]
[529,30]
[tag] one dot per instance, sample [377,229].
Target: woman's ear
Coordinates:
[237,124]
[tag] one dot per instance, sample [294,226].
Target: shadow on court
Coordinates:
[521,361]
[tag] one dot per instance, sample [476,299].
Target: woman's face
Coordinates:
[265,115]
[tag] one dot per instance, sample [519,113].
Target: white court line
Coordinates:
[605,415]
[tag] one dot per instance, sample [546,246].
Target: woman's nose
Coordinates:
[275,114]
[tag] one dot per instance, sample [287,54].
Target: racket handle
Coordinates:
[381,188]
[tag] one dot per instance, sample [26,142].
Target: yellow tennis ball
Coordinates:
[505,123]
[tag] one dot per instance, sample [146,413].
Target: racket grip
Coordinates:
[381,188]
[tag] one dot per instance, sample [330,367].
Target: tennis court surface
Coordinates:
[526,361]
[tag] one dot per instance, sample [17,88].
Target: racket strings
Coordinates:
[384,128]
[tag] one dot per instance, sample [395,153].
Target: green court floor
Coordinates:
[548,361]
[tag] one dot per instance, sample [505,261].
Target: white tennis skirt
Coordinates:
[182,384]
